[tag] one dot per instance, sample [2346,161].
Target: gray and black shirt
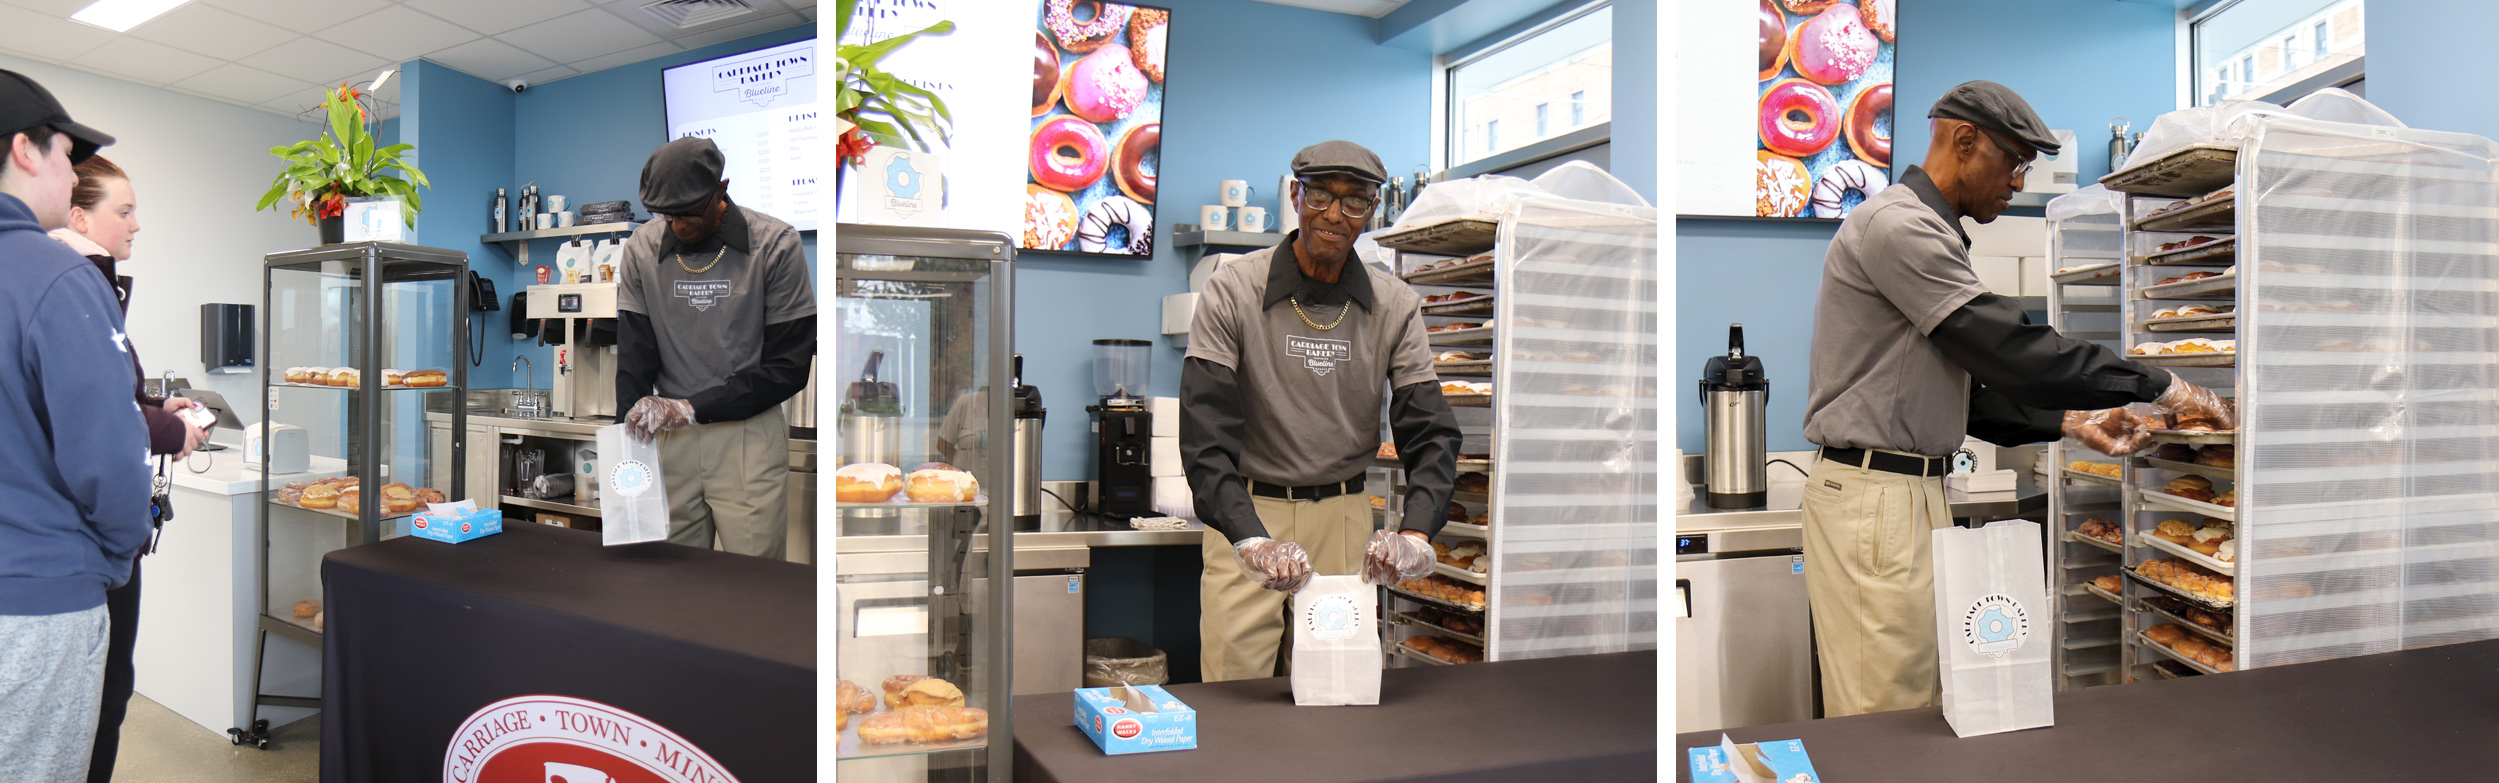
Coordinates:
[735,337]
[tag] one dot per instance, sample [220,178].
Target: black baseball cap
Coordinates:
[25,104]
[1339,157]
[1997,108]
[681,176]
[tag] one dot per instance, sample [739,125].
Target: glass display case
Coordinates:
[355,339]
[923,334]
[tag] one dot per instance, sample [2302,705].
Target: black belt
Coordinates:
[1888,462]
[1313,492]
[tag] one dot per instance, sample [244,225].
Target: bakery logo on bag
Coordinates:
[546,739]
[1126,728]
[702,294]
[1333,617]
[1319,355]
[1995,625]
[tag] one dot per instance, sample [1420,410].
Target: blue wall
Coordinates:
[2078,63]
[1634,147]
[2413,55]
[462,128]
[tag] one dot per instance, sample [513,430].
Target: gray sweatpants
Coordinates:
[51,681]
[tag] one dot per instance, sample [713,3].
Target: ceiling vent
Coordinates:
[684,14]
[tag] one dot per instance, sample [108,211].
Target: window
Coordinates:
[2252,49]
[1569,59]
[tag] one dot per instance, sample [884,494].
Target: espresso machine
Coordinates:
[1124,432]
[1734,398]
[1028,419]
[580,321]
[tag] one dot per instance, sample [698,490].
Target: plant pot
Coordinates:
[334,230]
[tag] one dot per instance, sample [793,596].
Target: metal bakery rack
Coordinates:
[2085,249]
[1568,436]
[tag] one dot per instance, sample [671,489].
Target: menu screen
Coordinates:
[760,107]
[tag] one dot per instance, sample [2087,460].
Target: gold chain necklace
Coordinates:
[1340,314]
[724,250]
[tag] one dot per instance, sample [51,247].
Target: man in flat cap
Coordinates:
[1911,354]
[716,327]
[1293,353]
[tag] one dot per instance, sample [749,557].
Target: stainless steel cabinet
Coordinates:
[1744,653]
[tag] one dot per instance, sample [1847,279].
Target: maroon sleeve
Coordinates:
[164,429]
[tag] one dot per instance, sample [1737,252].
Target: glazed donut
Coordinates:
[1842,177]
[1068,154]
[1773,40]
[1046,74]
[1149,32]
[1088,35]
[941,486]
[1093,231]
[1105,86]
[1808,7]
[1863,112]
[1049,218]
[1128,167]
[866,482]
[1798,118]
[1780,186]
[1879,17]
[1834,47]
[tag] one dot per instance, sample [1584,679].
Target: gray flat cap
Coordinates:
[1339,157]
[681,176]
[1995,107]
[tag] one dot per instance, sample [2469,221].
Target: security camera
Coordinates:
[517,85]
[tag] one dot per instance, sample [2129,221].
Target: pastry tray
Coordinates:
[2204,359]
[2190,625]
[2175,655]
[1469,400]
[2182,552]
[2225,286]
[2187,173]
[1461,574]
[2168,502]
[2098,274]
[1456,237]
[903,500]
[849,746]
[386,516]
[2091,477]
[2192,438]
[1475,367]
[291,384]
[1477,336]
[1414,654]
[2077,536]
[1435,601]
[1467,530]
[2215,216]
[1481,305]
[2181,594]
[2095,590]
[2200,323]
[1475,271]
[2162,668]
[2223,250]
[1402,617]
[2206,471]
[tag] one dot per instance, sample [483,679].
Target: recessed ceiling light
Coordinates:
[121,15]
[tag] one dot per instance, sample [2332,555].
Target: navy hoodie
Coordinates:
[74,478]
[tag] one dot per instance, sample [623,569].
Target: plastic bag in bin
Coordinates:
[1119,660]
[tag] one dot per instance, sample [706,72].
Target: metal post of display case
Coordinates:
[1001,515]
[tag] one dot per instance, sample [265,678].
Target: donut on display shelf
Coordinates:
[1105,86]
[1842,177]
[1773,40]
[1046,74]
[1808,7]
[863,482]
[1102,23]
[1798,118]
[1149,32]
[1068,154]
[1129,168]
[1869,106]
[1093,231]
[1049,218]
[1780,187]
[1879,16]
[1834,47]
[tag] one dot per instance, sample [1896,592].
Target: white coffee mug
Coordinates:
[1236,193]
[545,221]
[1213,217]
[564,220]
[555,204]
[1254,219]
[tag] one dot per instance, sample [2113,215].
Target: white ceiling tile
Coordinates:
[146,61]
[490,60]
[207,30]
[495,16]
[548,75]
[299,103]
[633,55]
[316,61]
[242,84]
[578,36]
[48,37]
[397,34]
[58,8]
[298,15]
[731,31]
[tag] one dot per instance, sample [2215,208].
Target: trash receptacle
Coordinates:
[1119,660]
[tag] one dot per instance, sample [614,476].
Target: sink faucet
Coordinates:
[525,399]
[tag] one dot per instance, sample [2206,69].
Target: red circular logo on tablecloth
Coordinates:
[559,739]
[1126,728]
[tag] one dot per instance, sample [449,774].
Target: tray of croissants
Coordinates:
[337,377]
[2204,654]
[879,484]
[2192,318]
[344,496]
[2207,545]
[2199,585]
[1443,591]
[2196,494]
[918,714]
[2190,352]
[1442,651]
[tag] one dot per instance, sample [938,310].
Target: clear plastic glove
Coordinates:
[2193,407]
[654,415]
[1394,556]
[1281,566]
[2116,432]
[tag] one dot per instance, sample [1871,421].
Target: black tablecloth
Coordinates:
[1581,718]
[2430,714]
[716,647]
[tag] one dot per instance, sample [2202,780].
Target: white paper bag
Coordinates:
[631,495]
[1336,642]
[1992,628]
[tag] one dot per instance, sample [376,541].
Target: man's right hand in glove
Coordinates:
[1281,566]
[2186,402]
[2117,432]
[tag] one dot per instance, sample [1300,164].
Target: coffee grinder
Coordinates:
[1028,419]
[1734,395]
[1124,433]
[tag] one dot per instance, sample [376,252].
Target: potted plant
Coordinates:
[323,173]
[871,106]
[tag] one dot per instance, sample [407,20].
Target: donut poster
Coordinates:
[1825,105]
[1097,128]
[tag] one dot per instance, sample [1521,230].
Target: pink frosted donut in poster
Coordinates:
[1834,47]
[1798,118]
[1069,154]
[1105,86]
[1102,22]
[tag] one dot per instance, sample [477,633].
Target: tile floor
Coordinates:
[158,746]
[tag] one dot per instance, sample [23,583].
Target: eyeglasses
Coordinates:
[1318,200]
[2020,167]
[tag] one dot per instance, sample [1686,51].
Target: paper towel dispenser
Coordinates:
[226,333]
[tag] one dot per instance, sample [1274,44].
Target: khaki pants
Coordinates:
[731,478]
[1870,572]
[1241,625]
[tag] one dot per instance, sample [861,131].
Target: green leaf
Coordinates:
[842,10]
[864,57]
